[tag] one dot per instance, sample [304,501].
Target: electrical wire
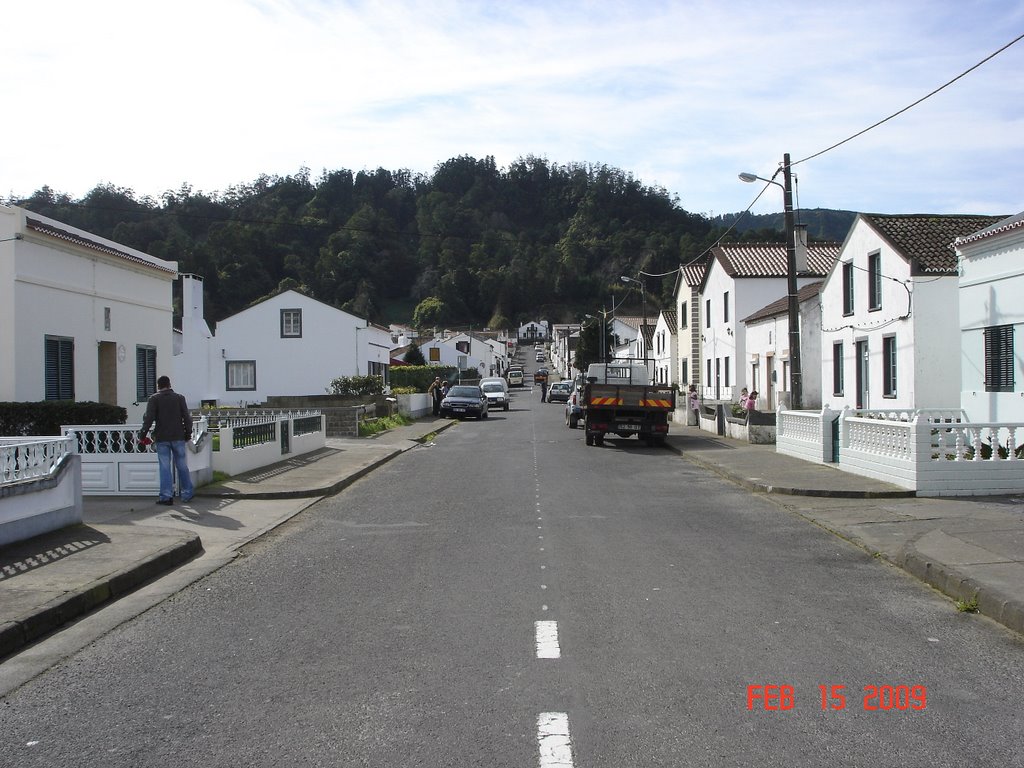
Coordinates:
[909,106]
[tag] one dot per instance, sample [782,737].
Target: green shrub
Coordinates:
[419,376]
[47,416]
[356,385]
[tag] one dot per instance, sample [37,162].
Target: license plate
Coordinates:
[629,427]
[459,410]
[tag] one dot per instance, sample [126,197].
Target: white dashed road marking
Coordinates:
[547,640]
[553,738]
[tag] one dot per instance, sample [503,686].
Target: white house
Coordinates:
[534,331]
[438,351]
[665,347]
[687,303]
[81,317]
[742,278]
[991,289]
[289,344]
[890,313]
[488,352]
[766,336]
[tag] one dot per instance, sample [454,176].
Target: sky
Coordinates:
[682,94]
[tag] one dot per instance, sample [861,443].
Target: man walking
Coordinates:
[173,428]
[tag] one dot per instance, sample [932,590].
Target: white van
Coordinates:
[496,390]
[515,377]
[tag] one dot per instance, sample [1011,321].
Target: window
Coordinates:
[785,375]
[709,379]
[59,364]
[848,288]
[683,321]
[874,281]
[889,366]
[378,369]
[291,323]
[241,374]
[145,372]
[837,369]
[726,372]
[999,358]
[106,318]
[684,372]
[707,313]
[725,307]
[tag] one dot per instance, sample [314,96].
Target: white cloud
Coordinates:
[681,94]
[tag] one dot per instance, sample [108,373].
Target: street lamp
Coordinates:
[795,370]
[643,322]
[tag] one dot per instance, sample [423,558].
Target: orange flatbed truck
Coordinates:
[618,399]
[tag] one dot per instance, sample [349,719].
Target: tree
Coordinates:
[588,349]
[430,312]
[414,356]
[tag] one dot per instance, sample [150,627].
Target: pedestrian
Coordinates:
[743,398]
[173,428]
[544,390]
[444,389]
[694,399]
[434,390]
[751,403]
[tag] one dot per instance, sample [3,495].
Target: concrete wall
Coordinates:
[39,506]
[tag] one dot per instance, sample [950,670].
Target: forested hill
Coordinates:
[822,223]
[470,243]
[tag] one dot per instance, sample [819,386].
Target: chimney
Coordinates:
[192,297]
[800,230]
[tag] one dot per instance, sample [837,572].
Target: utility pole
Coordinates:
[795,371]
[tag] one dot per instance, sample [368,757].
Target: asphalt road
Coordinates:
[401,624]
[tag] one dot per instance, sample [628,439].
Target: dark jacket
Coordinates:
[170,412]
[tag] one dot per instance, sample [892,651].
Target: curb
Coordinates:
[949,581]
[16,634]
[757,487]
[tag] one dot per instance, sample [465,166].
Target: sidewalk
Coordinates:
[124,542]
[968,548]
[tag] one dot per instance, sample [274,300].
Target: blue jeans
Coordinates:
[168,451]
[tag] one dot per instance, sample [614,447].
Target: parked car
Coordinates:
[515,377]
[573,410]
[496,391]
[464,400]
[559,392]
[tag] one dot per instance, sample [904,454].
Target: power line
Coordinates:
[909,106]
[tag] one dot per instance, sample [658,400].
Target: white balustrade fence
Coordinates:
[40,486]
[29,458]
[935,452]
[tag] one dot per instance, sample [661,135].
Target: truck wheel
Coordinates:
[598,439]
[590,439]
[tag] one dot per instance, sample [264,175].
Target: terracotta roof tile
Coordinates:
[926,240]
[671,319]
[769,259]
